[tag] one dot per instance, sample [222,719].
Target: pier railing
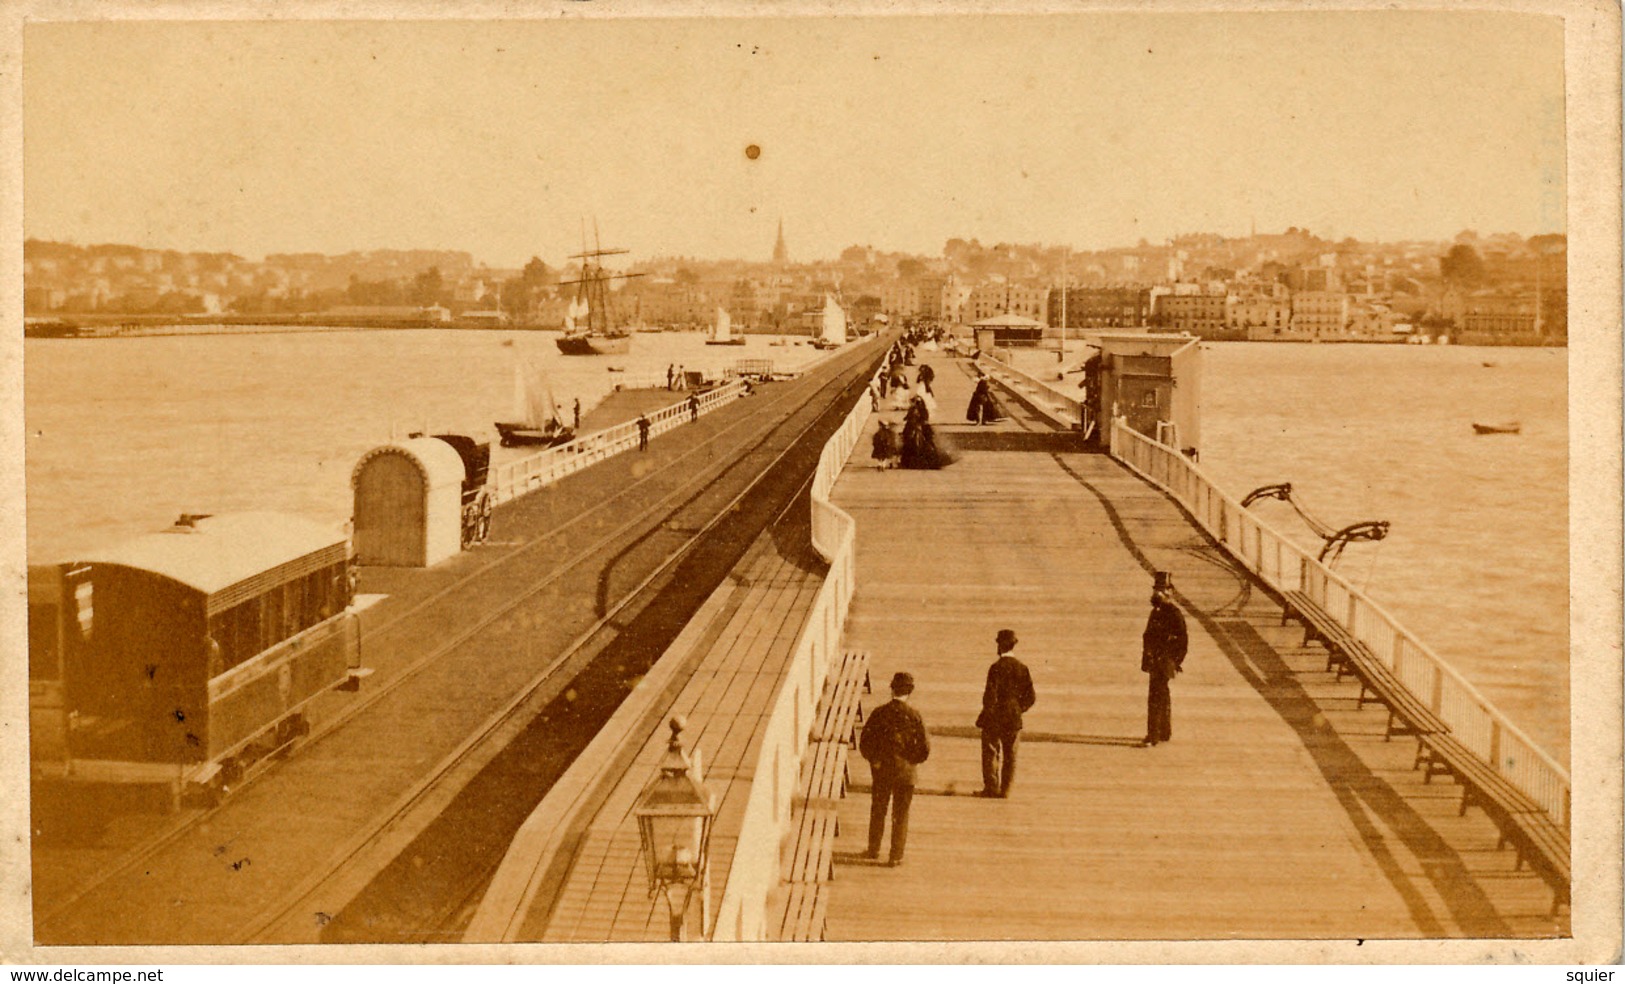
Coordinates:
[754,872]
[515,478]
[1285,566]
[1064,409]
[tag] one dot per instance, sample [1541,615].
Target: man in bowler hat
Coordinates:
[1162,656]
[894,742]
[1007,695]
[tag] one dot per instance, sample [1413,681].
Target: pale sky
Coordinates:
[500,138]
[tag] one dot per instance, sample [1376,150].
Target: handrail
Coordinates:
[1064,409]
[1284,566]
[516,478]
[754,872]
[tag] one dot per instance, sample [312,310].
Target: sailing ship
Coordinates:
[538,413]
[722,334]
[589,324]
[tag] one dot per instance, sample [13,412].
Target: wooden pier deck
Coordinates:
[1278,811]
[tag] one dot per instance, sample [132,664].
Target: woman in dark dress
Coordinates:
[983,409]
[920,448]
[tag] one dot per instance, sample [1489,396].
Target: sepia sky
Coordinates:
[1094,130]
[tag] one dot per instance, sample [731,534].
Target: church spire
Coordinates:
[781,256]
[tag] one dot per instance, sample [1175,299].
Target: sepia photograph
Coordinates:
[1047,482]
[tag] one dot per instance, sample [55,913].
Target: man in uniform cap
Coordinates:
[1007,696]
[894,742]
[1162,656]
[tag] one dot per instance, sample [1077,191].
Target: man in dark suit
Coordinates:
[894,742]
[1007,696]
[1162,657]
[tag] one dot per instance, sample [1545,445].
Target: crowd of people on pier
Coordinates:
[894,739]
[918,445]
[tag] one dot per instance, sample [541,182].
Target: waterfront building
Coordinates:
[1320,314]
[1201,314]
[1259,315]
[1094,308]
[990,299]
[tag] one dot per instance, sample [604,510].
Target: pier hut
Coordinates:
[1154,382]
[408,503]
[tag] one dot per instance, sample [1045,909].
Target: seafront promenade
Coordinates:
[1281,810]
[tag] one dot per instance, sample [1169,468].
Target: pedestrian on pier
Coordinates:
[577,411]
[1162,657]
[1006,697]
[671,375]
[643,432]
[682,378]
[693,407]
[885,444]
[893,742]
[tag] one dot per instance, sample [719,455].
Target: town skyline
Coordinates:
[692,137]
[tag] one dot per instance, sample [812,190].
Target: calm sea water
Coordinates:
[123,435]
[1476,562]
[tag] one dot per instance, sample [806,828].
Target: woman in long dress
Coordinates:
[983,408]
[920,449]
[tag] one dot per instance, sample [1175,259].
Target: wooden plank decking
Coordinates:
[1277,811]
[726,703]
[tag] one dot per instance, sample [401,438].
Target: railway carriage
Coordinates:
[180,657]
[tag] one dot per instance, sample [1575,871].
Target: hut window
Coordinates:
[1148,398]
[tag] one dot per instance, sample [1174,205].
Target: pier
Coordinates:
[1285,807]
[755,574]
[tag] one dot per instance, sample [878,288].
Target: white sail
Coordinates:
[576,312]
[536,406]
[724,328]
[834,321]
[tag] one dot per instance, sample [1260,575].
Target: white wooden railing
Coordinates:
[1285,566]
[1063,408]
[754,871]
[516,478]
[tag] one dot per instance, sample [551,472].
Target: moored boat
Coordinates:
[1511,427]
[540,423]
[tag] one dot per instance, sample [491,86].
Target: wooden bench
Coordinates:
[825,774]
[1407,714]
[1319,626]
[841,708]
[813,857]
[1540,841]
[802,914]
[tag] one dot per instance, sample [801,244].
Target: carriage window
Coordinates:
[83,598]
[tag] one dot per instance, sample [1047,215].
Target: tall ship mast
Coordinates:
[589,326]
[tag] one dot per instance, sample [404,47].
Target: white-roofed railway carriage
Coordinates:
[182,656]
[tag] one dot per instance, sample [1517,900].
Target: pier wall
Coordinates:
[1284,566]
[742,911]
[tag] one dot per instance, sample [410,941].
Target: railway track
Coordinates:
[650,516]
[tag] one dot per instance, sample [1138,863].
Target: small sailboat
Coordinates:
[539,414]
[1510,427]
[722,333]
[834,325]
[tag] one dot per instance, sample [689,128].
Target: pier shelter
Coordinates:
[1155,383]
[408,503]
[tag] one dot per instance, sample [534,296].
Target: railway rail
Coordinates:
[654,518]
